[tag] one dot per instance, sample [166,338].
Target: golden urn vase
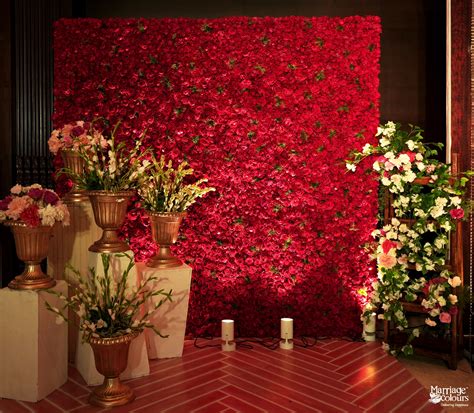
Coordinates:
[31,247]
[110,209]
[74,161]
[164,230]
[111,359]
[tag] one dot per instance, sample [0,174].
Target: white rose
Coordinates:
[409,176]
[384,142]
[430,322]
[396,179]
[421,166]
[404,158]
[395,222]
[453,299]
[455,281]
[403,228]
[441,201]
[367,148]
[434,312]
[441,301]
[436,211]
[419,157]
[411,145]
[351,167]
[455,200]
[385,181]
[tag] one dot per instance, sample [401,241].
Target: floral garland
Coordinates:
[411,249]
[261,106]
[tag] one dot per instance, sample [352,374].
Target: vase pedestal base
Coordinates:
[109,247]
[33,347]
[111,394]
[138,365]
[159,263]
[19,283]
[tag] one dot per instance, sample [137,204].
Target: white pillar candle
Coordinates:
[286,333]
[286,328]
[369,328]
[227,329]
[227,333]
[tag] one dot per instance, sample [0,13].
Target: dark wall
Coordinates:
[412,82]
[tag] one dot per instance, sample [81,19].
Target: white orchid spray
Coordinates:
[106,304]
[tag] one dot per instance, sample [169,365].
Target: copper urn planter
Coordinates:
[110,209]
[164,230]
[74,161]
[31,247]
[111,359]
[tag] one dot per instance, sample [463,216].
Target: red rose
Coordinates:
[4,203]
[50,197]
[387,245]
[31,216]
[457,213]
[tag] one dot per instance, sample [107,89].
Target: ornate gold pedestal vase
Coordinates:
[109,209]
[74,162]
[164,230]
[31,248]
[111,358]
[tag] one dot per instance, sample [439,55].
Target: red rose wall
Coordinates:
[267,109]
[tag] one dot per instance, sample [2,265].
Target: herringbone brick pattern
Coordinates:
[333,376]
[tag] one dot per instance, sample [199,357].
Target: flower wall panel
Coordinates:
[267,109]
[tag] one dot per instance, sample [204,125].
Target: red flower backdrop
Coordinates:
[268,109]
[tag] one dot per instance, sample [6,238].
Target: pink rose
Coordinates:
[457,213]
[17,206]
[445,318]
[387,261]
[54,145]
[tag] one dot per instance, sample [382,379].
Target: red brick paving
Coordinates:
[334,376]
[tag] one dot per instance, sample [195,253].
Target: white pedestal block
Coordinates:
[170,318]
[138,357]
[33,347]
[71,244]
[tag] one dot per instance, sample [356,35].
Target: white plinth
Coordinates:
[138,357]
[33,348]
[71,244]
[170,318]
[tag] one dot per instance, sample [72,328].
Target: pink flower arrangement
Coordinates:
[265,121]
[34,205]
[72,136]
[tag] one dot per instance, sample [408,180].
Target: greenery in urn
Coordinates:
[166,189]
[411,258]
[110,165]
[106,306]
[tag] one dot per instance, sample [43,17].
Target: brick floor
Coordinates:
[333,376]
